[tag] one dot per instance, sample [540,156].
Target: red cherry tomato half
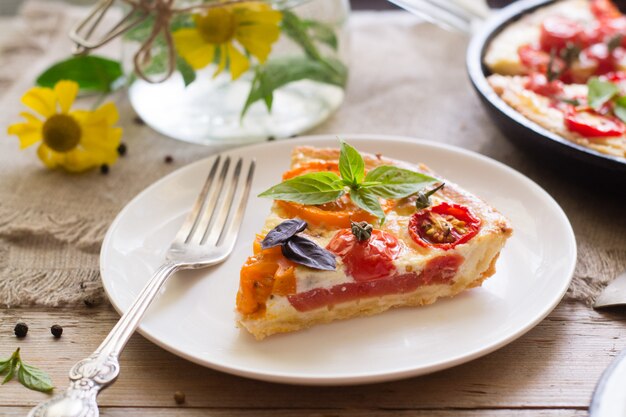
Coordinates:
[590,124]
[615,26]
[533,58]
[605,59]
[443,226]
[537,60]
[539,84]
[557,32]
[366,260]
[594,33]
[604,9]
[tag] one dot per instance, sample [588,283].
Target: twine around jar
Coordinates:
[140,10]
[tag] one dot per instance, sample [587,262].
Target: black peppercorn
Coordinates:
[179,397]
[168,159]
[121,150]
[139,121]
[104,169]
[56,330]
[21,329]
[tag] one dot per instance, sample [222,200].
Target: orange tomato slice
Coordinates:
[312,166]
[336,214]
[265,273]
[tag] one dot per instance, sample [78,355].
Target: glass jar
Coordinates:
[242,93]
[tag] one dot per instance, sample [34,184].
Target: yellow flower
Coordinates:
[73,139]
[252,25]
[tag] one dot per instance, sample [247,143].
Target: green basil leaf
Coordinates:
[13,364]
[5,364]
[9,366]
[351,164]
[396,182]
[92,73]
[600,92]
[368,201]
[313,188]
[188,73]
[34,378]
[620,108]
[278,72]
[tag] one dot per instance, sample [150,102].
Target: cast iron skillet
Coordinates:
[533,138]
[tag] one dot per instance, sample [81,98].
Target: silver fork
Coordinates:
[206,238]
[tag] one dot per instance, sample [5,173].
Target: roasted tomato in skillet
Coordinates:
[557,32]
[590,124]
[443,226]
[368,259]
[539,84]
[604,9]
[536,60]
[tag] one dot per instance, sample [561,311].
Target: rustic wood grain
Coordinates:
[204,412]
[554,366]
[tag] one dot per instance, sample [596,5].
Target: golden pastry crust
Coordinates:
[480,255]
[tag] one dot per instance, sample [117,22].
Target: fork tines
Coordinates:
[218,211]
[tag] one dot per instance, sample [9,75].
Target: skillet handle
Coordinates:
[456,15]
[498,4]
[609,397]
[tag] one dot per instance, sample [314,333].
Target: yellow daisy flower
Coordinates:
[72,139]
[253,25]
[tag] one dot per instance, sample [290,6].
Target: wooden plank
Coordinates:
[556,365]
[204,412]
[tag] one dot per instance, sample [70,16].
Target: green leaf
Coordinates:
[321,32]
[5,365]
[34,378]
[600,92]
[284,70]
[92,73]
[365,199]
[13,366]
[314,188]
[351,165]
[396,182]
[620,108]
[141,30]
[9,366]
[615,42]
[295,28]
[188,73]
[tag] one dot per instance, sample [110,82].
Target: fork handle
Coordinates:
[89,376]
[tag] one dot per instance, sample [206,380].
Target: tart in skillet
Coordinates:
[354,235]
[563,67]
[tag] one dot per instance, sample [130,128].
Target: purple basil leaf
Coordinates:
[305,252]
[281,233]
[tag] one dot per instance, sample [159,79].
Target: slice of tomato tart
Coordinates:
[354,234]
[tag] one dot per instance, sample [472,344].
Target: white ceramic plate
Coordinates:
[194,316]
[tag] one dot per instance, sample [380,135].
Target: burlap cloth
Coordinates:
[407,78]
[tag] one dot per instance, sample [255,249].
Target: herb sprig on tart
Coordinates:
[364,190]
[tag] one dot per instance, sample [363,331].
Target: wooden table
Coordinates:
[549,372]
